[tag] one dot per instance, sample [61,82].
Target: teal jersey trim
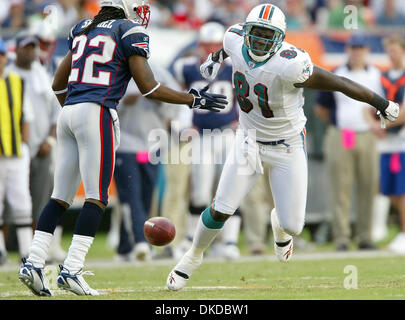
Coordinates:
[249,61]
[209,222]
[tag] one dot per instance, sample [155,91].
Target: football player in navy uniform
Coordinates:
[104,53]
[215,128]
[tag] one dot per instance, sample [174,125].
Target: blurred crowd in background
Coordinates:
[191,14]
[315,17]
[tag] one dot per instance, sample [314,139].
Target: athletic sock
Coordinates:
[89,220]
[86,227]
[38,251]
[50,216]
[206,231]
[77,253]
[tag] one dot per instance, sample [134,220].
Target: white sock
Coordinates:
[57,237]
[77,252]
[279,235]
[24,238]
[38,252]
[230,232]
[203,237]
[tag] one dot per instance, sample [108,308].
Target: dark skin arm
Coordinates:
[324,80]
[145,81]
[60,80]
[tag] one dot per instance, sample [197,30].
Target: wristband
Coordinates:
[60,91]
[154,89]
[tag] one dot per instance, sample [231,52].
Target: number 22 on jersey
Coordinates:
[88,77]
[241,88]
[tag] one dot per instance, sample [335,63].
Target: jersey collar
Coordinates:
[250,62]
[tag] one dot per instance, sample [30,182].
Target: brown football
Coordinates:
[159,231]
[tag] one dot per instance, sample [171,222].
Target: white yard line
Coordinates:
[300,256]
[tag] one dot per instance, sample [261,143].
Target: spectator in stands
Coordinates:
[392,147]
[350,149]
[15,116]
[390,16]
[43,127]
[296,15]
[16,18]
[184,15]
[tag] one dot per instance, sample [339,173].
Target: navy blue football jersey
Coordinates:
[100,71]
[187,71]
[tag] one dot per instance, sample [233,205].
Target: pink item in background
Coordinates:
[395,163]
[348,139]
[142,157]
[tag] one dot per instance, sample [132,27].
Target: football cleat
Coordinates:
[34,279]
[283,251]
[75,282]
[182,272]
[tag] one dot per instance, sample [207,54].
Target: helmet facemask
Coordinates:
[143,12]
[261,48]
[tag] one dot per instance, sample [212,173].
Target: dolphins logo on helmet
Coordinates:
[265,16]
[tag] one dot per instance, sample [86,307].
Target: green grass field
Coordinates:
[381,277]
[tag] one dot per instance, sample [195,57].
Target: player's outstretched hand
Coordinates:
[208,101]
[391,112]
[209,69]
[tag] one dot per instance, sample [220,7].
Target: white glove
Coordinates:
[391,113]
[209,69]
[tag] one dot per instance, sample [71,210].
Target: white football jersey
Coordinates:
[269,102]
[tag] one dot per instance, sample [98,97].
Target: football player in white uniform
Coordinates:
[268,77]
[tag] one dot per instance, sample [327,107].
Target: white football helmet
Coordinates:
[137,10]
[211,32]
[266,16]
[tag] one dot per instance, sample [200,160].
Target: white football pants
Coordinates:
[87,138]
[288,174]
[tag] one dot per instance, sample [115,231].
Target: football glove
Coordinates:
[391,112]
[207,101]
[209,69]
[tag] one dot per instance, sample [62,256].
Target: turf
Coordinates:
[377,278]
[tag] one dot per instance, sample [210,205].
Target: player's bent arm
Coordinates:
[60,81]
[324,80]
[150,88]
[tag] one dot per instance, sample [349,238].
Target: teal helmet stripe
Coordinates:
[262,12]
[271,13]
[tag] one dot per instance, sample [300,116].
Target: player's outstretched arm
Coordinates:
[150,88]
[60,81]
[324,80]
[209,69]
